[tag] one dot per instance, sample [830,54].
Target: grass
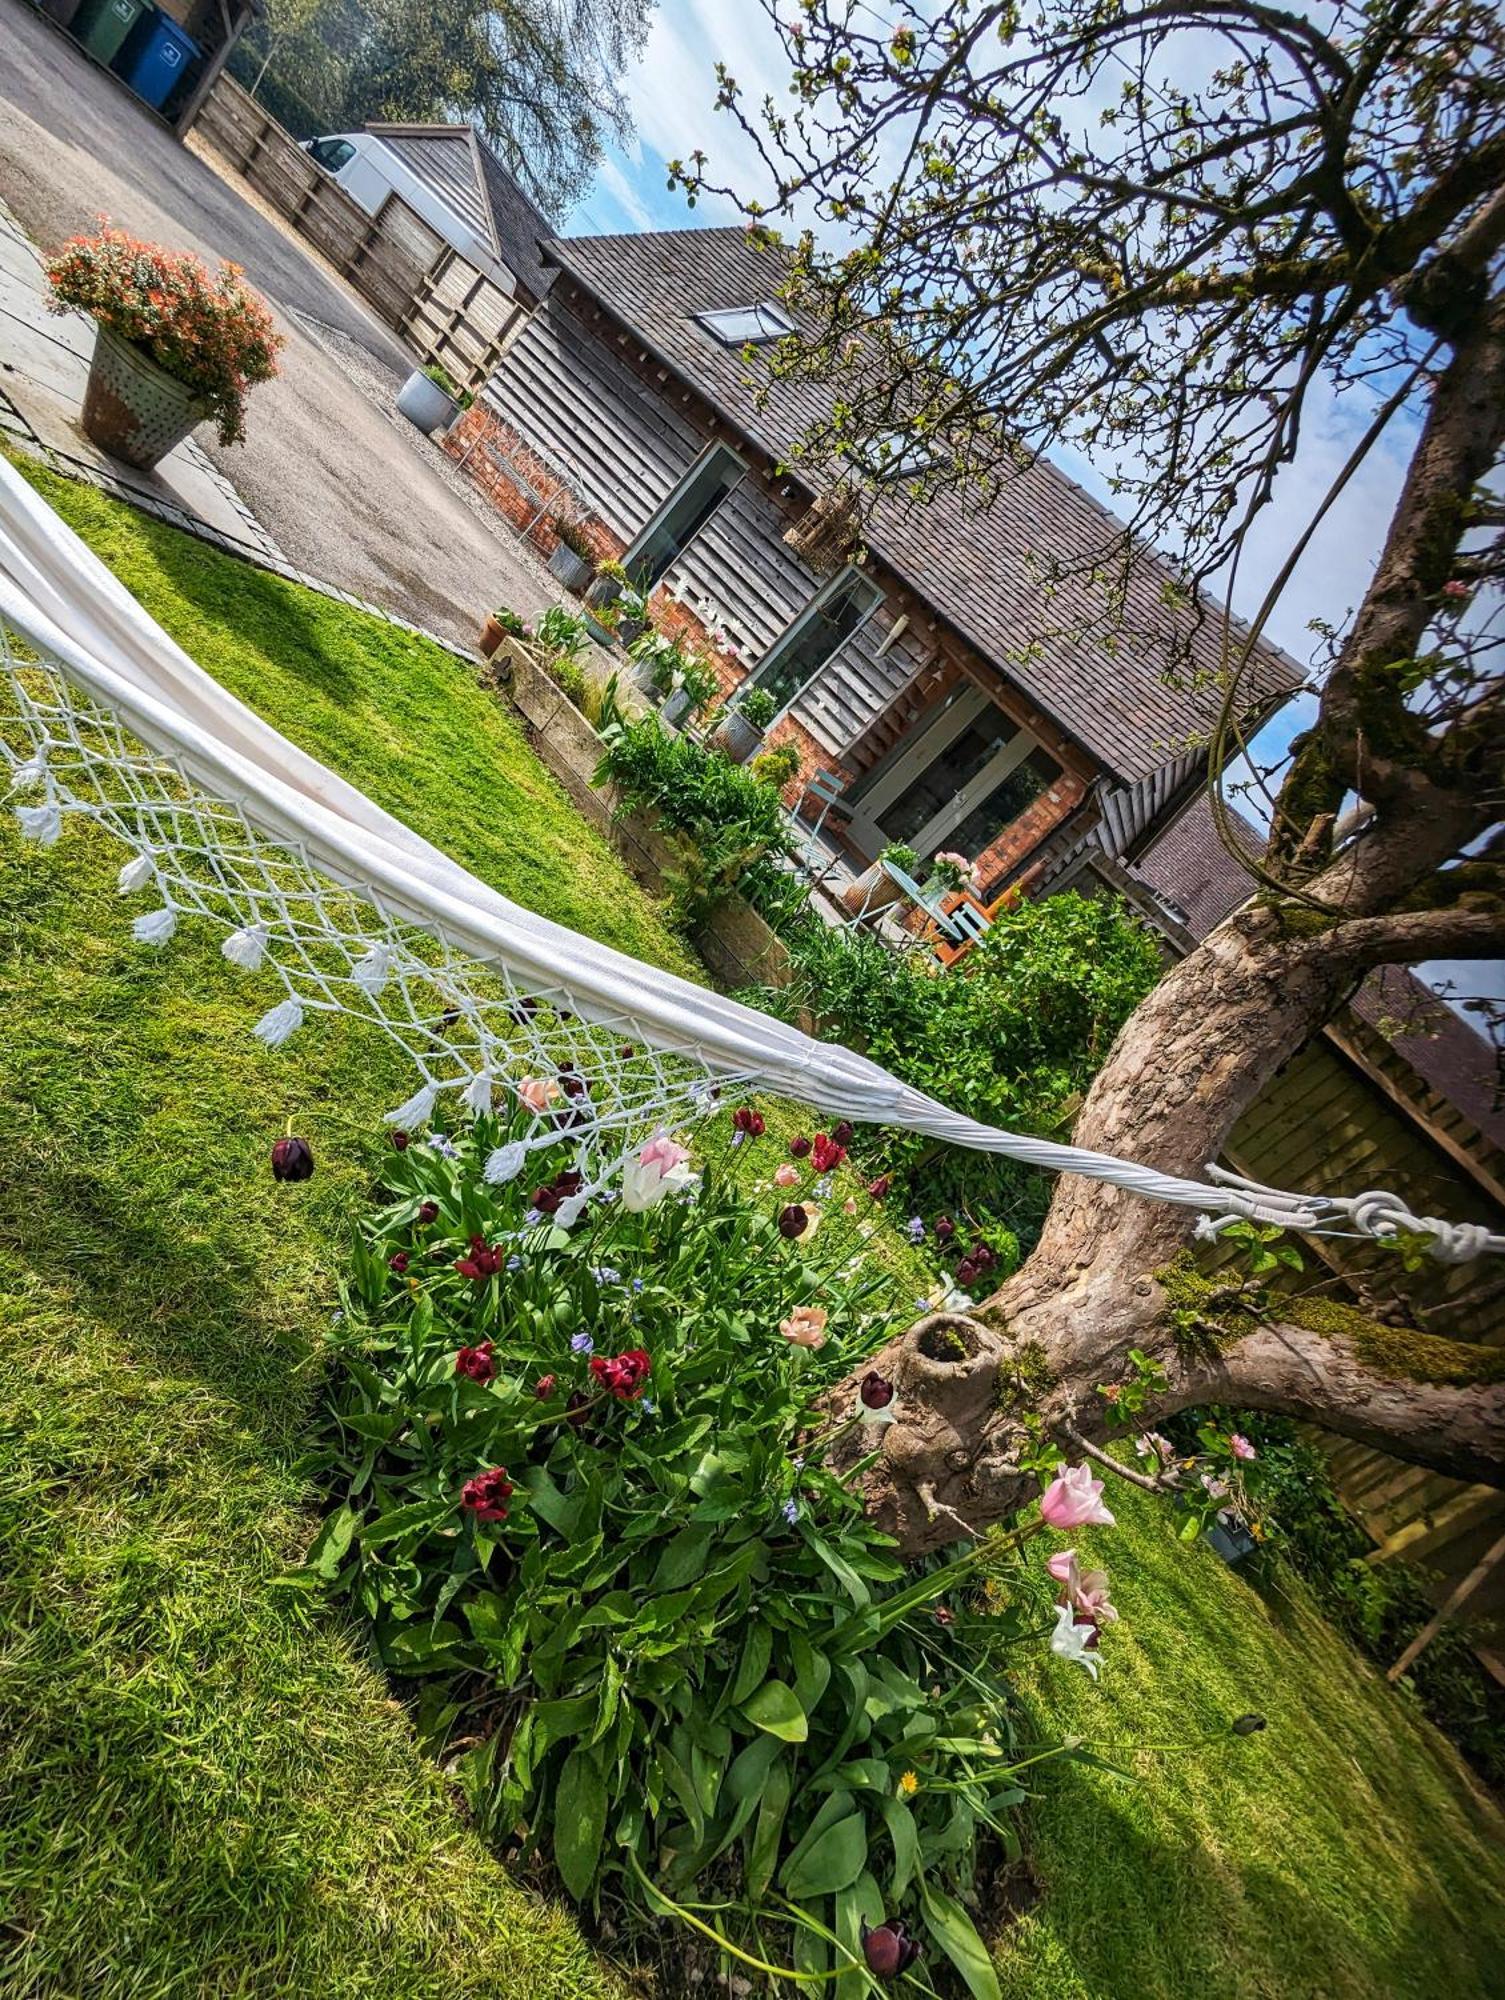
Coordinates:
[1343,1852]
[204,1788]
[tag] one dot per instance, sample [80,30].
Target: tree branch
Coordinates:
[1409,937]
[1433,1402]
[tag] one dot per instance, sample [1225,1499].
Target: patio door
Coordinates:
[959,782]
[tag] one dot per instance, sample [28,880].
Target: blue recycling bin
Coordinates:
[157,58]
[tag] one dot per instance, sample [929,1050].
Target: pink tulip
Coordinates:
[664,1153]
[538,1093]
[1240,1446]
[786,1176]
[1074,1499]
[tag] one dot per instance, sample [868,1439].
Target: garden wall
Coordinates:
[737,946]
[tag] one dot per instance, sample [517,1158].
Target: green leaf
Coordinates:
[683,1559]
[842,1570]
[405,1521]
[776,1708]
[328,1548]
[763,1848]
[956,1934]
[757,1650]
[579,1822]
[905,1836]
[831,1863]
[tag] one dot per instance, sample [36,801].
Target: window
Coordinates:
[332,154]
[822,628]
[933,790]
[676,524]
[741,326]
[1003,805]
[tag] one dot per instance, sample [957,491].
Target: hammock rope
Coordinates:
[222,820]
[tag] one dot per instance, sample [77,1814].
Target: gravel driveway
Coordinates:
[344,492]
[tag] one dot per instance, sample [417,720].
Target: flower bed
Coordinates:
[580,1489]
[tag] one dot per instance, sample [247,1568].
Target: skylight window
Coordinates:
[743,326]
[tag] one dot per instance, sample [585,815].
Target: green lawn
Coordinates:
[1343,1852]
[204,1789]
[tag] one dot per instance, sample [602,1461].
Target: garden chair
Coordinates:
[826,790]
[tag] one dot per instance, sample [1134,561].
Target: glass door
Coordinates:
[961,783]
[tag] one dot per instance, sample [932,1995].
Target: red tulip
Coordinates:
[478,1363]
[624,1376]
[888,1948]
[486,1495]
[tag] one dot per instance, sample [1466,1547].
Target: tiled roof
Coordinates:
[1191,866]
[967,556]
[458,165]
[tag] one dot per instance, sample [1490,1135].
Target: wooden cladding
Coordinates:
[450,312]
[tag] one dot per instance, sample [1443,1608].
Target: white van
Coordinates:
[370,172]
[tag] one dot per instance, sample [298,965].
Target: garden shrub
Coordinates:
[729,823]
[579,1490]
[1012,1036]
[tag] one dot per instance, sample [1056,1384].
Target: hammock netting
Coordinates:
[222,820]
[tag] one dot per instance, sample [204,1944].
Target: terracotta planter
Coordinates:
[133,409]
[492,635]
[871,892]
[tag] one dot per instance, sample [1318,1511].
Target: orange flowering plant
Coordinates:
[208,330]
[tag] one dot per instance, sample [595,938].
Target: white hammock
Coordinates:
[101,715]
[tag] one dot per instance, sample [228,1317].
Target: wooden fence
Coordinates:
[449,312]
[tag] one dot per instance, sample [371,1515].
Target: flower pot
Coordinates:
[874,890]
[602,634]
[738,737]
[676,708]
[573,571]
[492,635]
[604,590]
[133,409]
[425,404]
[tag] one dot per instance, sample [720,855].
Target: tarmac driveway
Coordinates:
[347,496]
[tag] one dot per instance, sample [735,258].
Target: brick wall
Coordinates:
[478,424]
[999,862]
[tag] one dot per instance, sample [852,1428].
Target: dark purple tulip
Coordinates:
[428,1212]
[400,1141]
[842,1133]
[876,1391]
[945,1229]
[292,1160]
[888,1948]
[792,1221]
[799,1147]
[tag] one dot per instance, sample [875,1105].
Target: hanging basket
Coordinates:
[827,532]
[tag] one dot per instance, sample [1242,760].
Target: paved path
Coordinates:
[342,493]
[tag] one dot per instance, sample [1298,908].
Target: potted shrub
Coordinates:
[778,766]
[740,734]
[174,344]
[875,889]
[430,400]
[697,689]
[657,662]
[501,624]
[571,560]
[611,579]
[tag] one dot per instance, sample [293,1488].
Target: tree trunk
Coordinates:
[1190,1060]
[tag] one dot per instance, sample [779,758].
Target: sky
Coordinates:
[672,94]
